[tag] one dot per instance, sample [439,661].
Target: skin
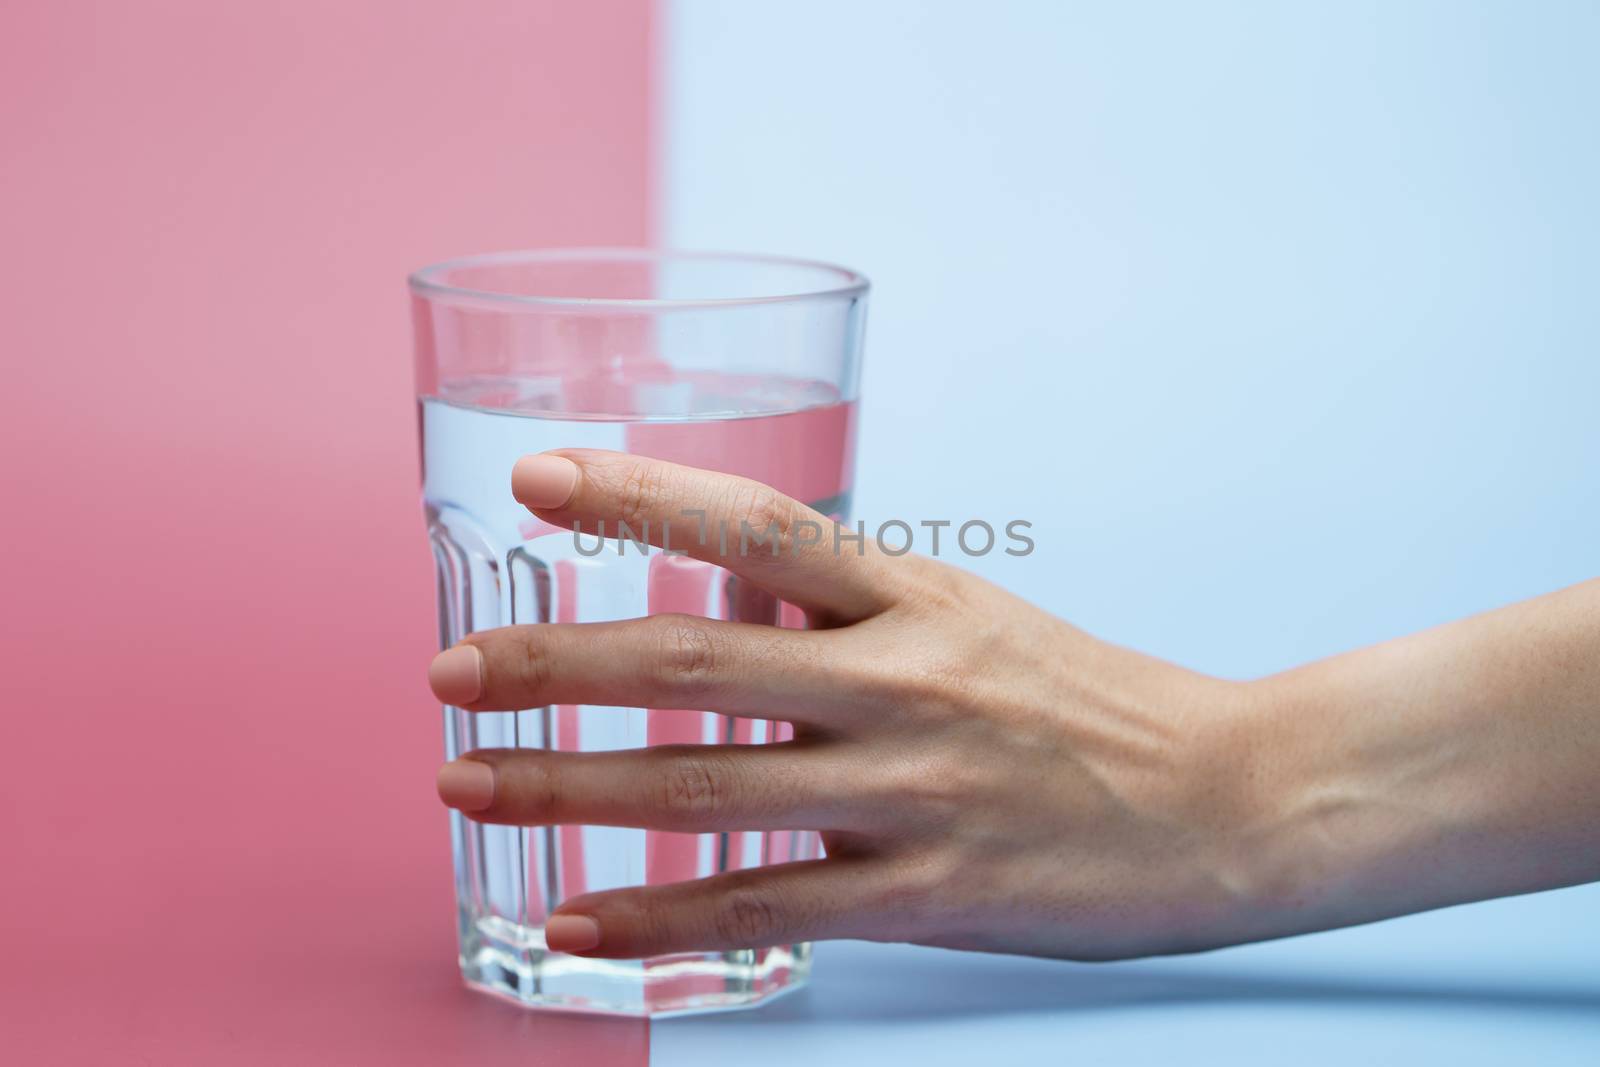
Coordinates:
[986,776]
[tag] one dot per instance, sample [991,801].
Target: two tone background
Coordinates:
[1278,321]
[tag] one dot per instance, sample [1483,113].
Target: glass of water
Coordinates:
[742,364]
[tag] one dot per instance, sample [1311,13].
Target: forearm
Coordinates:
[1452,765]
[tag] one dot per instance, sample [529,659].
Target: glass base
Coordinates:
[511,961]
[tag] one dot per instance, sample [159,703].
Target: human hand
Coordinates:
[984,775]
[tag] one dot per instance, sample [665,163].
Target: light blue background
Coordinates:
[1279,321]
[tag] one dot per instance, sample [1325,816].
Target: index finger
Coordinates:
[749,528]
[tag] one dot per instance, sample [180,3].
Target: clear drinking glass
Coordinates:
[743,364]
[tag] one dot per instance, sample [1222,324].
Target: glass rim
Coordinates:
[426,281]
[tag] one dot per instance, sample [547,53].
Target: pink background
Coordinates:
[220,836]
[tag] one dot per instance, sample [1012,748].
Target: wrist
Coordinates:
[1241,787]
[1341,812]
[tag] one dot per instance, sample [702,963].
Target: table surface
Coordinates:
[1510,981]
[283,964]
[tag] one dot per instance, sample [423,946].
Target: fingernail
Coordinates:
[543,481]
[466,785]
[571,933]
[456,675]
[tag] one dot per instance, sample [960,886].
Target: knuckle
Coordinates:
[932,792]
[639,494]
[917,893]
[686,655]
[746,918]
[538,788]
[768,515]
[937,590]
[659,926]
[941,675]
[533,667]
[689,790]
[921,680]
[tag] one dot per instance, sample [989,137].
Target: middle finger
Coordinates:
[663,661]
